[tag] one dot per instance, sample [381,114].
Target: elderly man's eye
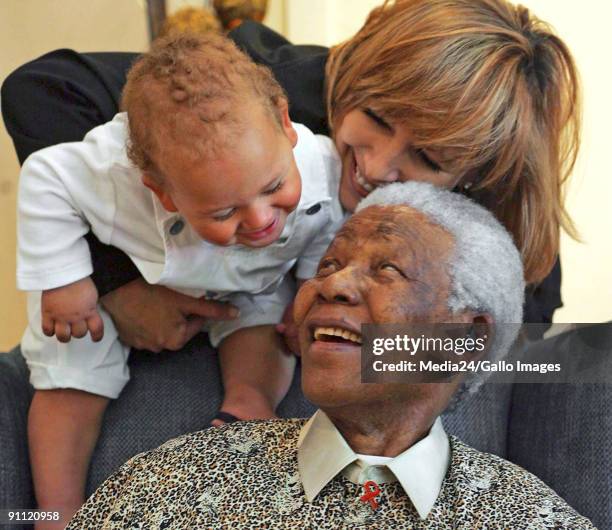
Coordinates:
[327,266]
[390,267]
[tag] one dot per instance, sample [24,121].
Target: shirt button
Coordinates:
[313,209]
[177,227]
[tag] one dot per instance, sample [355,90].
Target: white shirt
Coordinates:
[323,453]
[67,189]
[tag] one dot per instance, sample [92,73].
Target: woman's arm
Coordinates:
[61,96]
[154,318]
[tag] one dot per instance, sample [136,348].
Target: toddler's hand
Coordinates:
[71,311]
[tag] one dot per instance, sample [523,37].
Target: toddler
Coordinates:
[212,191]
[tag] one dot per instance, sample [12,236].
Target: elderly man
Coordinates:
[374,455]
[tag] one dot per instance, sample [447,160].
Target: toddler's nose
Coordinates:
[258,217]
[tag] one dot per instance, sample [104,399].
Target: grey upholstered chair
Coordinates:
[560,432]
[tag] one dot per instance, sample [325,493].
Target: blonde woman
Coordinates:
[475,95]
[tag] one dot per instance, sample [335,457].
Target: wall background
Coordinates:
[29,28]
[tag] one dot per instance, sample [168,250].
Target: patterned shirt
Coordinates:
[245,475]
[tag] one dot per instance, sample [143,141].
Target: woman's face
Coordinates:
[376,152]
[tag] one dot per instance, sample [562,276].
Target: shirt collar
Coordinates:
[422,468]
[323,453]
[313,171]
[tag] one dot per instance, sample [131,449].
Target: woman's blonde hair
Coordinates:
[487,80]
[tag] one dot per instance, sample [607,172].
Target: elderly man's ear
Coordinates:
[479,328]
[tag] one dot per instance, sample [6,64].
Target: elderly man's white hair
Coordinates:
[485,268]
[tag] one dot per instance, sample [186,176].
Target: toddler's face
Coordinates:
[243,197]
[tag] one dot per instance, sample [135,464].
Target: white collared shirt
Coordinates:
[323,453]
[67,189]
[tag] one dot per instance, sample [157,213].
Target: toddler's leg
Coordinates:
[74,383]
[63,427]
[256,372]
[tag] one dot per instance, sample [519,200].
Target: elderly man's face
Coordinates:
[386,265]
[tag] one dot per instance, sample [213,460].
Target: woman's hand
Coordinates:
[155,318]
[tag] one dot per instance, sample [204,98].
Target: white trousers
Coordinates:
[101,367]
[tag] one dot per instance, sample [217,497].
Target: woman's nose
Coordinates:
[341,288]
[380,167]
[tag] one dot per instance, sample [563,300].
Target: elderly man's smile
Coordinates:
[328,335]
[335,334]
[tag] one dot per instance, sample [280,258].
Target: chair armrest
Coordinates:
[562,432]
